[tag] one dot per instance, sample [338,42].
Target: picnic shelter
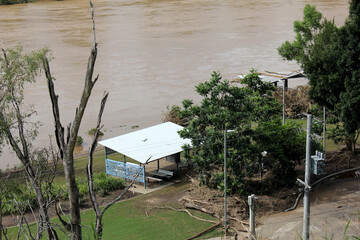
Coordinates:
[144,146]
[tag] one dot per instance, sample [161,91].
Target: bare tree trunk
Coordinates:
[1,226]
[349,143]
[89,170]
[67,145]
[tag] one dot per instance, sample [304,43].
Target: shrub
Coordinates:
[79,141]
[92,132]
[25,200]
[104,184]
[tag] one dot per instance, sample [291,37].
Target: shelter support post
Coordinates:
[105,158]
[158,164]
[144,176]
[124,168]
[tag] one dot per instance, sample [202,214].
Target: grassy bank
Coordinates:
[139,218]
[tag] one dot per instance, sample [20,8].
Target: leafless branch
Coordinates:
[92,18]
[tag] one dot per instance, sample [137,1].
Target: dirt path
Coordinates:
[333,204]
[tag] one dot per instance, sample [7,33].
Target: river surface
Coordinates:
[152,53]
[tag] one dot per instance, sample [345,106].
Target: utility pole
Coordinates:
[252,233]
[284,81]
[225,207]
[306,221]
[225,180]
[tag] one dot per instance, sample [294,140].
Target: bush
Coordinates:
[10,2]
[25,200]
[104,184]
[79,141]
[92,132]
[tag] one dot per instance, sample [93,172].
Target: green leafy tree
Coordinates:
[284,146]
[224,106]
[16,70]
[329,57]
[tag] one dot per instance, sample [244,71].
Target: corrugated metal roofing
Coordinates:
[156,142]
[274,77]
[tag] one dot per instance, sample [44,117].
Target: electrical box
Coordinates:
[318,163]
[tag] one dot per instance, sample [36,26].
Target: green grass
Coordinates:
[131,219]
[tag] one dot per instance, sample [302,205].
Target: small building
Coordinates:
[144,146]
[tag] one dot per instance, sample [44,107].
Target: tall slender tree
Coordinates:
[66,140]
[17,70]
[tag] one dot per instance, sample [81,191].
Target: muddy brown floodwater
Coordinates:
[151,52]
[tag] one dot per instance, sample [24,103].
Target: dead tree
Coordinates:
[99,213]
[89,170]
[66,139]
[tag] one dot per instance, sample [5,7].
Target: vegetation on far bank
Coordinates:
[11,2]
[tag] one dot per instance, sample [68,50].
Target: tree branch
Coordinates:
[59,129]
[89,168]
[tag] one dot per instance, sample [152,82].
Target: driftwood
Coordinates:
[187,211]
[192,205]
[201,209]
[196,201]
[205,231]
[238,220]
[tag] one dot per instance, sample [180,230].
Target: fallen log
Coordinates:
[205,231]
[201,209]
[196,201]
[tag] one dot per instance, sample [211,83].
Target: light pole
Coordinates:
[225,208]
[284,82]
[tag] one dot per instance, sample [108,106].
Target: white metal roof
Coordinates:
[156,142]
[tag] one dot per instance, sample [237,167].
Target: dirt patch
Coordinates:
[281,199]
[212,200]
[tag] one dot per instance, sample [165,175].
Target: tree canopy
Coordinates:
[329,56]
[249,111]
